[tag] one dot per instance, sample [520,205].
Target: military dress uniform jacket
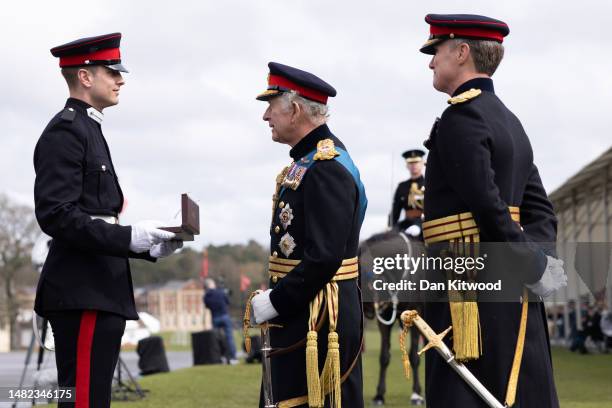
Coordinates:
[318,223]
[480,160]
[87,266]
[408,197]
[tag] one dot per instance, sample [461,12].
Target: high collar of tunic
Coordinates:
[484,84]
[309,142]
[86,109]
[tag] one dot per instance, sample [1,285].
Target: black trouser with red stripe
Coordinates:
[87,345]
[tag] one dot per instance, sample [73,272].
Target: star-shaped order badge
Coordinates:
[285,216]
[287,244]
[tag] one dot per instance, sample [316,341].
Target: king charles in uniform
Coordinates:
[317,211]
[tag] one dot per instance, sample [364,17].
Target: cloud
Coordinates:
[188,120]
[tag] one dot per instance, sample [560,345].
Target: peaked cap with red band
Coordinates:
[283,78]
[99,50]
[446,26]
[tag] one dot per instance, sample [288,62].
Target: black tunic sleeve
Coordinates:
[537,214]
[397,205]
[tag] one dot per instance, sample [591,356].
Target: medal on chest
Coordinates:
[285,216]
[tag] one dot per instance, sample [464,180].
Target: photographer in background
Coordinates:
[217,300]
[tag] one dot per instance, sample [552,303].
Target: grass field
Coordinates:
[582,382]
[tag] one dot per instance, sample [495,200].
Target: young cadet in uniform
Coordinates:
[85,289]
[409,195]
[480,166]
[317,212]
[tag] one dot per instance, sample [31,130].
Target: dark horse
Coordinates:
[387,306]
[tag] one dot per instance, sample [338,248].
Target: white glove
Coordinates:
[413,230]
[165,248]
[263,310]
[553,278]
[145,234]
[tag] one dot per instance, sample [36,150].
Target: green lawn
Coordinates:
[582,382]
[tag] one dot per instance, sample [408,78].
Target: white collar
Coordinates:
[95,114]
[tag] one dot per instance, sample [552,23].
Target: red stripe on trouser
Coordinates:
[83,363]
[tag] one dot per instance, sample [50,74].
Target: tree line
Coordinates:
[230,265]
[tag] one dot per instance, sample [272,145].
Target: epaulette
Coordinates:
[465,96]
[68,114]
[326,150]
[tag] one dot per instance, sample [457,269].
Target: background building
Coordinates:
[177,304]
[583,207]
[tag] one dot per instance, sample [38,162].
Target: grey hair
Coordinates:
[486,54]
[316,112]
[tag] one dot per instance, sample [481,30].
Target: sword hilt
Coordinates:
[246,322]
[411,317]
[435,340]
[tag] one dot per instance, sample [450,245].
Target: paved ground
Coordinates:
[12,364]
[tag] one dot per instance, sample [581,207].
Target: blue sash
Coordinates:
[345,160]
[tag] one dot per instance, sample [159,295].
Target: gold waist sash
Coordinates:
[461,231]
[328,380]
[456,226]
[279,267]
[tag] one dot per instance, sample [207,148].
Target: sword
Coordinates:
[266,349]
[266,372]
[410,317]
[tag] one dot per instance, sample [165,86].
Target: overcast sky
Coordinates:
[188,120]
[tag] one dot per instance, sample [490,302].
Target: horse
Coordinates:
[386,306]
